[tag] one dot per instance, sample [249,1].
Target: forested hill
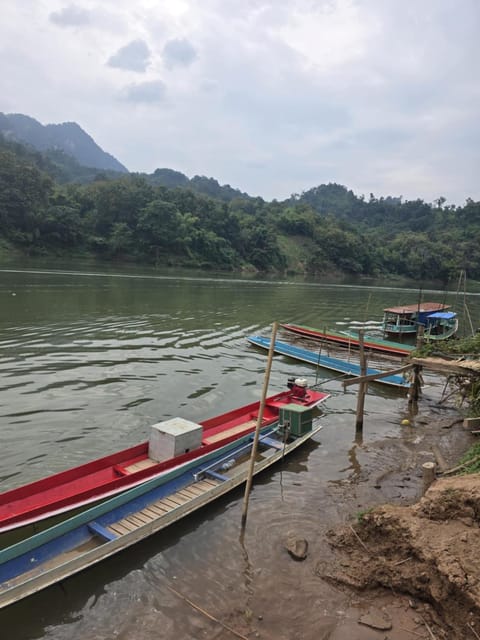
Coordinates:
[201,184]
[383,213]
[67,137]
[163,219]
[69,154]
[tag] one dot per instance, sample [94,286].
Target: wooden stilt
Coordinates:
[362,390]
[428,472]
[253,455]
[420,336]
[416,384]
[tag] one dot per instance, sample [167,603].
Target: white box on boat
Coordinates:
[173,437]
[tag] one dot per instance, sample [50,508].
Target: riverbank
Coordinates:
[388,564]
[427,552]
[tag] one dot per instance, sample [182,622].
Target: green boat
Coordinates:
[351,339]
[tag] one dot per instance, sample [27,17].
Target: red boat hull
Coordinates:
[346,341]
[107,476]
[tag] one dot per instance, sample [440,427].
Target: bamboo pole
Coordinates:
[362,389]
[205,613]
[420,336]
[253,455]
[416,384]
[318,363]
[377,376]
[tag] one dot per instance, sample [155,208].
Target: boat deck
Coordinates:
[161,507]
[88,538]
[125,526]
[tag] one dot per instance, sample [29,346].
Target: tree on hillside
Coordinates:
[24,196]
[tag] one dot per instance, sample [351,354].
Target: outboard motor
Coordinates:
[298,387]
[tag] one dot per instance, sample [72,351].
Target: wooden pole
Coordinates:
[318,363]
[416,384]
[420,336]
[377,376]
[362,389]
[441,462]
[428,473]
[253,455]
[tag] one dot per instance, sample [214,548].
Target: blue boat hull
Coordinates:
[319,360]
[100,532]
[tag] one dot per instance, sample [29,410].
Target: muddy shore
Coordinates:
[394,562]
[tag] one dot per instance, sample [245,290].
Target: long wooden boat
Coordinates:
[334,364]
[107,476]
[350,339]
[101,531]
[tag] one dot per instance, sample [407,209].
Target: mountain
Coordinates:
[201,184]
[68,137]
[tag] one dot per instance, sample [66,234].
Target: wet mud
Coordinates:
[395,560]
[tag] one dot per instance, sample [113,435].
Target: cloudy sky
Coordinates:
[272,97]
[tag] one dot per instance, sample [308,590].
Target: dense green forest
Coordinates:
[50,205]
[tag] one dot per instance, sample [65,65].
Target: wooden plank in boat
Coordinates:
[160,505]
[205,485]
[131,526]
[211,482]
[118,528]
[169,502]
[144,517]
[157,509]
[187,494]
[178,499]
[153,513]
[142,464]
[200,487]
[196,490]
[135,520]
[250,424]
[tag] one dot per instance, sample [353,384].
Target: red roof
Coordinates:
[423,307]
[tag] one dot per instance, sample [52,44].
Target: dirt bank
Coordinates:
[390,564]
[420,561]
[429,551]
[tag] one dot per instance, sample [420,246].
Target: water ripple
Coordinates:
[89,361]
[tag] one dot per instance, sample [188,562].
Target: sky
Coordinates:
[272,97]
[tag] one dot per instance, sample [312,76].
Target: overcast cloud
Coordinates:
[272,97]
[132,57]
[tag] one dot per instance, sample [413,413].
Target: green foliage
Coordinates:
[198,184]
[24,198]
[50,204]
[168,178]
[361,515]
[469,346]
[471,460]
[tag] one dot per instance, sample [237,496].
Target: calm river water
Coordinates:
[90,358]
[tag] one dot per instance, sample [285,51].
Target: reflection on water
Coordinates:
[88,361]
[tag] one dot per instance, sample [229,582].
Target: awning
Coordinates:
[444,315]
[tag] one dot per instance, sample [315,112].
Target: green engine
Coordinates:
[297,420]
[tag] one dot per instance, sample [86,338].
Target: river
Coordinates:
[91,357]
